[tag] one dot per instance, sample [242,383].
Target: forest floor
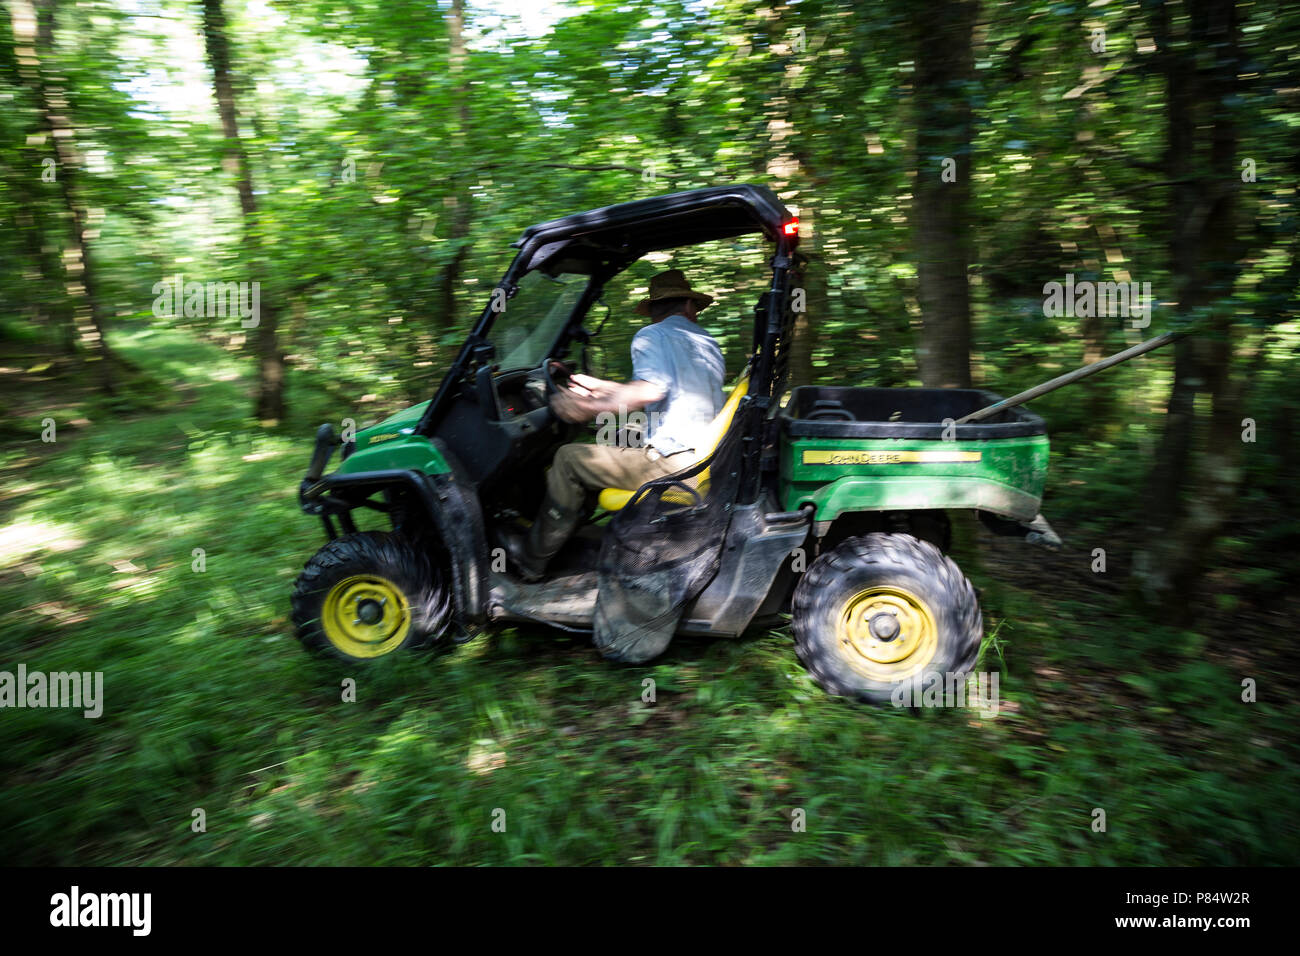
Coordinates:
[210,705]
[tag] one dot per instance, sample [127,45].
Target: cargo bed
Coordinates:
[898,449]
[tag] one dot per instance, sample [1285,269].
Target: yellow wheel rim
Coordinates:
[887,634]
[366,616]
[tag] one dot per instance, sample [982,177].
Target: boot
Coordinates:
[530,554]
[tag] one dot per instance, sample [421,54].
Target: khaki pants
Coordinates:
[578,469]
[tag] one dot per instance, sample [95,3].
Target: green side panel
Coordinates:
[1006,478]
[390,444]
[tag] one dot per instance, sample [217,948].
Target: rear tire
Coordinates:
[368,595]
[882,611]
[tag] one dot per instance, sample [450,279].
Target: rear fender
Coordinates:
[845,496]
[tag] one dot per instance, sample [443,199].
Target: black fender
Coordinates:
[452,507]
[755,558]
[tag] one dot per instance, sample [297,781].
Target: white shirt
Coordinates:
[685,361]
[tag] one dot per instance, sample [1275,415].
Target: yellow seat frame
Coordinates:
[612,499]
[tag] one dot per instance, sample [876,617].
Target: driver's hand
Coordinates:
[569,406]
[590,387]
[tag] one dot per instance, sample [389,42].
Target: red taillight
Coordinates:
[791,228]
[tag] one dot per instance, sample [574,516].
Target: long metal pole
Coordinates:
[1068,377]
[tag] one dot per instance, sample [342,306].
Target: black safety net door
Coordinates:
[662,549]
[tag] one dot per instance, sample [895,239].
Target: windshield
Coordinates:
[530,322]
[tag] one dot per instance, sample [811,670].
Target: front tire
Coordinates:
[368,595]
[881,611]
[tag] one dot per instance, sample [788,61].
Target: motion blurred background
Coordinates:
[367,165]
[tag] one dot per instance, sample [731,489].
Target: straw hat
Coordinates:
[671,285]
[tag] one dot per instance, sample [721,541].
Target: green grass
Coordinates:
[211,704]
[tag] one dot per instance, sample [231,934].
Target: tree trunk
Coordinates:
[1194,480]
[942,41]
[457,203]
[269,404]
[33,28]
[55,314]
[788,174]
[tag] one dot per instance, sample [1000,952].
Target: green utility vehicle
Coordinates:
[827,504]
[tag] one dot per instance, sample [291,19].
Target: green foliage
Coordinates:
[210,703]
[386,173]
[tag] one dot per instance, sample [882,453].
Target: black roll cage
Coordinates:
[603,242]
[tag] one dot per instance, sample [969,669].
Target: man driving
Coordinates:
[677,374]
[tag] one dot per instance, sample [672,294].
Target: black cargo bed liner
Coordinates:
[823,411]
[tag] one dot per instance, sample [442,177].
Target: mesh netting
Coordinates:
[662,548]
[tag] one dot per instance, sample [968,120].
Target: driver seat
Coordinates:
[612,499]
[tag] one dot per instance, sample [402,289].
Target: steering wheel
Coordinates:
[556,375]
